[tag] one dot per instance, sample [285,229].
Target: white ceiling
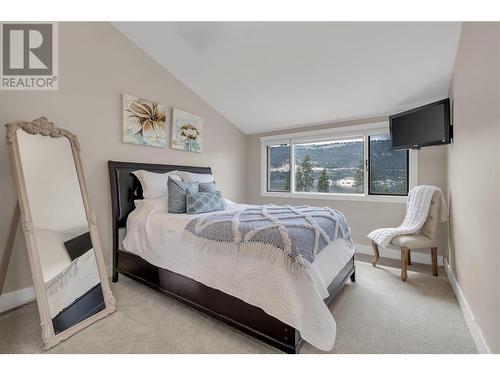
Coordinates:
[274,75]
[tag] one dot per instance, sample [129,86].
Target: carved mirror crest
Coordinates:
[59,224]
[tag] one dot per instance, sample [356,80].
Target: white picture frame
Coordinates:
[187,131]
[144,121]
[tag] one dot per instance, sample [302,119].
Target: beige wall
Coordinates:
[96,65]
[363,217]
[474,175]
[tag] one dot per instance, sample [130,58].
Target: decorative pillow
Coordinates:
[209,187]
[177,195]
[154,185]
[197,203]
[195,177]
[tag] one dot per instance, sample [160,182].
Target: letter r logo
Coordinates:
[27,49]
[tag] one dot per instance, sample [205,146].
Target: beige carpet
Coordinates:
[377,314]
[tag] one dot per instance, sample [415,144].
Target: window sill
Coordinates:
[336,196]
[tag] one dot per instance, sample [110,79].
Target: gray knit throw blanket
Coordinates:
[299,233]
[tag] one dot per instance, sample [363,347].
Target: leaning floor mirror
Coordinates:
[59,224]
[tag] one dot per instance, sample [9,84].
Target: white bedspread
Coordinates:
[155,235]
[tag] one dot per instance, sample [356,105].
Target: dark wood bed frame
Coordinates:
[125,188]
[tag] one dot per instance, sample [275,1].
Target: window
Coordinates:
[388,172]
[278,167]
[330,167]
[354,163]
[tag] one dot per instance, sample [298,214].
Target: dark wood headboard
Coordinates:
[125,188]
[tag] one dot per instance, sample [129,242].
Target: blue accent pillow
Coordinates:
[197,203]
[177,195]
[208,187]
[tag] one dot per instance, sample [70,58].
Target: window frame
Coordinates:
[354,131]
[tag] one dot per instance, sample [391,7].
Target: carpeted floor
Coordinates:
[377,314]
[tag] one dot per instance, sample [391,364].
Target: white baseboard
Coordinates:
[22,296]
[391,253]
[16,298]
[474,329]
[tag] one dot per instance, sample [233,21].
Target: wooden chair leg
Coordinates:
[434,252]
[404,262]
[409,257]
[376,253]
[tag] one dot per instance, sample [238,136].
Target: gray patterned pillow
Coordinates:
[177,195]
[208,187]
[197,203]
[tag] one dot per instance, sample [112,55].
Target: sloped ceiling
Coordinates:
[275,75]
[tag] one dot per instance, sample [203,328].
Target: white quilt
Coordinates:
[156,236]
[417,209]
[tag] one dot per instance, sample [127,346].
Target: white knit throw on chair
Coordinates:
[417,209]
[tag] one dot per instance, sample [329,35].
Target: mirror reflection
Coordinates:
[70,274]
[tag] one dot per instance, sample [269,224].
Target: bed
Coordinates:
[186,275]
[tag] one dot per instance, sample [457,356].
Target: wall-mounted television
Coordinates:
[423,126]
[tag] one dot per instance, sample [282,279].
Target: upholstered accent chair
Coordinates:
[426,238]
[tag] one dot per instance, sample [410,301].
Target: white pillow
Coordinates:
[139,202]
[195,177]
[155,185]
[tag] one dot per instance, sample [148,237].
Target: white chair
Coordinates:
[426,238]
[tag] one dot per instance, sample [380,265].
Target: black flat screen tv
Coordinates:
[423,126]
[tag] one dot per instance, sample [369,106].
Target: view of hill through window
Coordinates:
[279,167]
[388,168]
[337,167]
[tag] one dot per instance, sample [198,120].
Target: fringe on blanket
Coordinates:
[298,265]
[59,281]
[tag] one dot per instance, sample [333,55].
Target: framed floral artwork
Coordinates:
[144,122]
[187,131]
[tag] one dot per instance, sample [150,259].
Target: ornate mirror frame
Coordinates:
[44,127]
